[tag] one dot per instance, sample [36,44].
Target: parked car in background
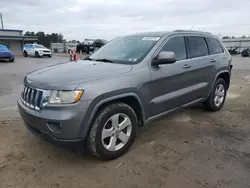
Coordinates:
[99,102]
[36,50]
[6,54]
[90,45]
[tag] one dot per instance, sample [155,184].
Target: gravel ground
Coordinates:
[191,148]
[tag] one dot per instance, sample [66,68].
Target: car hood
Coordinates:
[69,75]
[5,53]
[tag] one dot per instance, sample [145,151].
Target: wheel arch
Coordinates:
[226,77]
[131,99]
[225,74]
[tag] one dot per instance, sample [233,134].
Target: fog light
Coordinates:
[54,127]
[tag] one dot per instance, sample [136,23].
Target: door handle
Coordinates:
[186,66]
[212,60]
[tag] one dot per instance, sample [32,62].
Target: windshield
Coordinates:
[130,49]
[3,48]
[39,46]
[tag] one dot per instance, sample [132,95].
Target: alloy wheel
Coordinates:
[116,132]
[219,95]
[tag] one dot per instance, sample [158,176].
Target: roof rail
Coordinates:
[192,31]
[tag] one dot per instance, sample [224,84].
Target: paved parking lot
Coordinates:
[191,148]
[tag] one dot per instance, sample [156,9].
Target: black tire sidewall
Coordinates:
[25,54]
[212,95]
[101,120]
[36,54]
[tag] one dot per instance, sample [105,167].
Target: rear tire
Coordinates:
[217,96]
[25,54]
[50,56]
[11,60]
[113,131]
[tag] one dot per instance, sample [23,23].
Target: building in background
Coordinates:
[63,47]
[242,43]
[58,47]
[14,40]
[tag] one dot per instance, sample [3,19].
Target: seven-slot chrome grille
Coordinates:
[32,98]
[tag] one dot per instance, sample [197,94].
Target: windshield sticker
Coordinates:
[151,38]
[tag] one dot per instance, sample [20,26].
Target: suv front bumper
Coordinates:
[41,53]
[68,121]
[47,137]
[7,58]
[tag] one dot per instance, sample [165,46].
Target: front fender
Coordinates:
[102,99]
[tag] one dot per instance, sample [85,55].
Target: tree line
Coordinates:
[46,39]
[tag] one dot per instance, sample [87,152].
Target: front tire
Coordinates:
[113,131]
[37,54]
[217,96]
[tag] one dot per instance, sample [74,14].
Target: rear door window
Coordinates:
[214,46]
[28,46]
[197,47]
[176,45]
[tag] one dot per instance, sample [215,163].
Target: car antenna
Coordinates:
[191,28]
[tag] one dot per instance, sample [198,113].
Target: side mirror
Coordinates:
[164,58]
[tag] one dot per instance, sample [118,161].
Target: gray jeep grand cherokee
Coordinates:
[127,83]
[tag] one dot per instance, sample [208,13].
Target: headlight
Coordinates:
[65,97]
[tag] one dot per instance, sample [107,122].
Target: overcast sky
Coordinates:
[79,19]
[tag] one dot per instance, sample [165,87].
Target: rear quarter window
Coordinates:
[27,46]
[214,46]
[196,46]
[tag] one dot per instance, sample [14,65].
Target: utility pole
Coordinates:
[1,20]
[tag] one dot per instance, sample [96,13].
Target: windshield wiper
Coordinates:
[105,60]
[88,58]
